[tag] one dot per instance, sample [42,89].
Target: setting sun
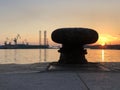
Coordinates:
[103,44]
[103,40]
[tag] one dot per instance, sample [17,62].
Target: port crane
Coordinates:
[5,42]
[8,41]
[16,39]
[25,42]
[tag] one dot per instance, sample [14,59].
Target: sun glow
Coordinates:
[103,40]
[102,53]
[102,44]
[106,39]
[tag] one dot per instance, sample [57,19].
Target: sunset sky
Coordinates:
[27,17]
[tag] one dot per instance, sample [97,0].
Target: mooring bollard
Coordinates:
[73,41]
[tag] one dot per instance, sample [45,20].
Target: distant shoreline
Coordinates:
[111,47]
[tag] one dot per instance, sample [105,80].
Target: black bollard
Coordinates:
[73,41]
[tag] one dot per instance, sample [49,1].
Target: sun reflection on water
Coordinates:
[103,55]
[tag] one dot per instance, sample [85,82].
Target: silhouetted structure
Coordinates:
[39,37]
[16,38]
[25,44]
[73,40]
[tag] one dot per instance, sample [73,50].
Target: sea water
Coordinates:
[29,56]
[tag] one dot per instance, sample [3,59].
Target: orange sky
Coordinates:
[27,17]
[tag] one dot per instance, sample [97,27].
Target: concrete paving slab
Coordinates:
[17,68]
[41,81]
[101,81]
[90,67]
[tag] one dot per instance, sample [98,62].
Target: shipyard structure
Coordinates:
[25,45]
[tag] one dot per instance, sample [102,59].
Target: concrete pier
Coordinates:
[46,76]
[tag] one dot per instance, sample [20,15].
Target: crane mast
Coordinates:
[16,39]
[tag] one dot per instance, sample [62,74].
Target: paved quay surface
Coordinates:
[52,77]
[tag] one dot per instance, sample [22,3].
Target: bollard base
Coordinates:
[72,55]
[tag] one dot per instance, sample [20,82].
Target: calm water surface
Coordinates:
[23,56]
